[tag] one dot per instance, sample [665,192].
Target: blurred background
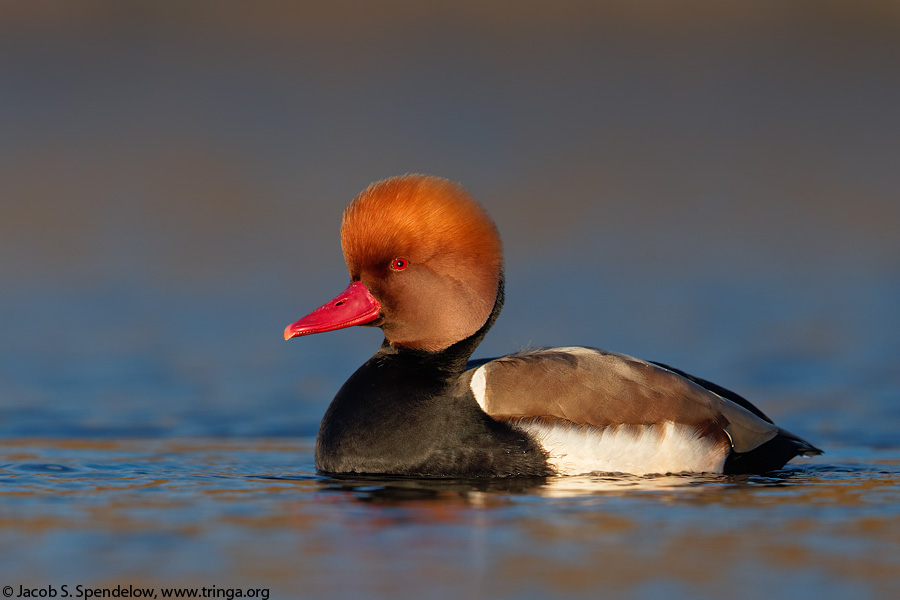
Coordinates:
[714,186]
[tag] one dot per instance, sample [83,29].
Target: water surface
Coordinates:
[251,513]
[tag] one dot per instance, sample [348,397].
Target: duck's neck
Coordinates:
[453,358]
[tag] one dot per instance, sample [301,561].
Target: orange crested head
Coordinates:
[429,253]
[422,218]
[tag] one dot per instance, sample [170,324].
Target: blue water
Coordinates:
[251,513]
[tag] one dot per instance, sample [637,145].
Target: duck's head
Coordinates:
[425,264]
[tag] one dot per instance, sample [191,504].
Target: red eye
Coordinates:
[399,264]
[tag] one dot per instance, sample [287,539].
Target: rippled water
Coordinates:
[251,513]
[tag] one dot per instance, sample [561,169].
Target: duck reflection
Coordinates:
[396,490]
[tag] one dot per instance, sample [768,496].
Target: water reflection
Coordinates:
[483,492]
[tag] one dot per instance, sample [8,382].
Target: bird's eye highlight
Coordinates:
[399,264]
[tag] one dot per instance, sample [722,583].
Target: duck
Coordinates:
[426,266]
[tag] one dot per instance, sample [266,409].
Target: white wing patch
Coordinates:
[479,387]
[640,450]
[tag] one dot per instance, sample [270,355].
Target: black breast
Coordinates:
[404,413]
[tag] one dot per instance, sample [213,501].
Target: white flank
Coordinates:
[665,448]
[478,385]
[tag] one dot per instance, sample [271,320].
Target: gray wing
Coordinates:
[587,386]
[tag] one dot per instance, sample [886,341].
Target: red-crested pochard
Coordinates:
[426,265]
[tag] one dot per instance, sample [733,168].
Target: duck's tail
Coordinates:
[770,456]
